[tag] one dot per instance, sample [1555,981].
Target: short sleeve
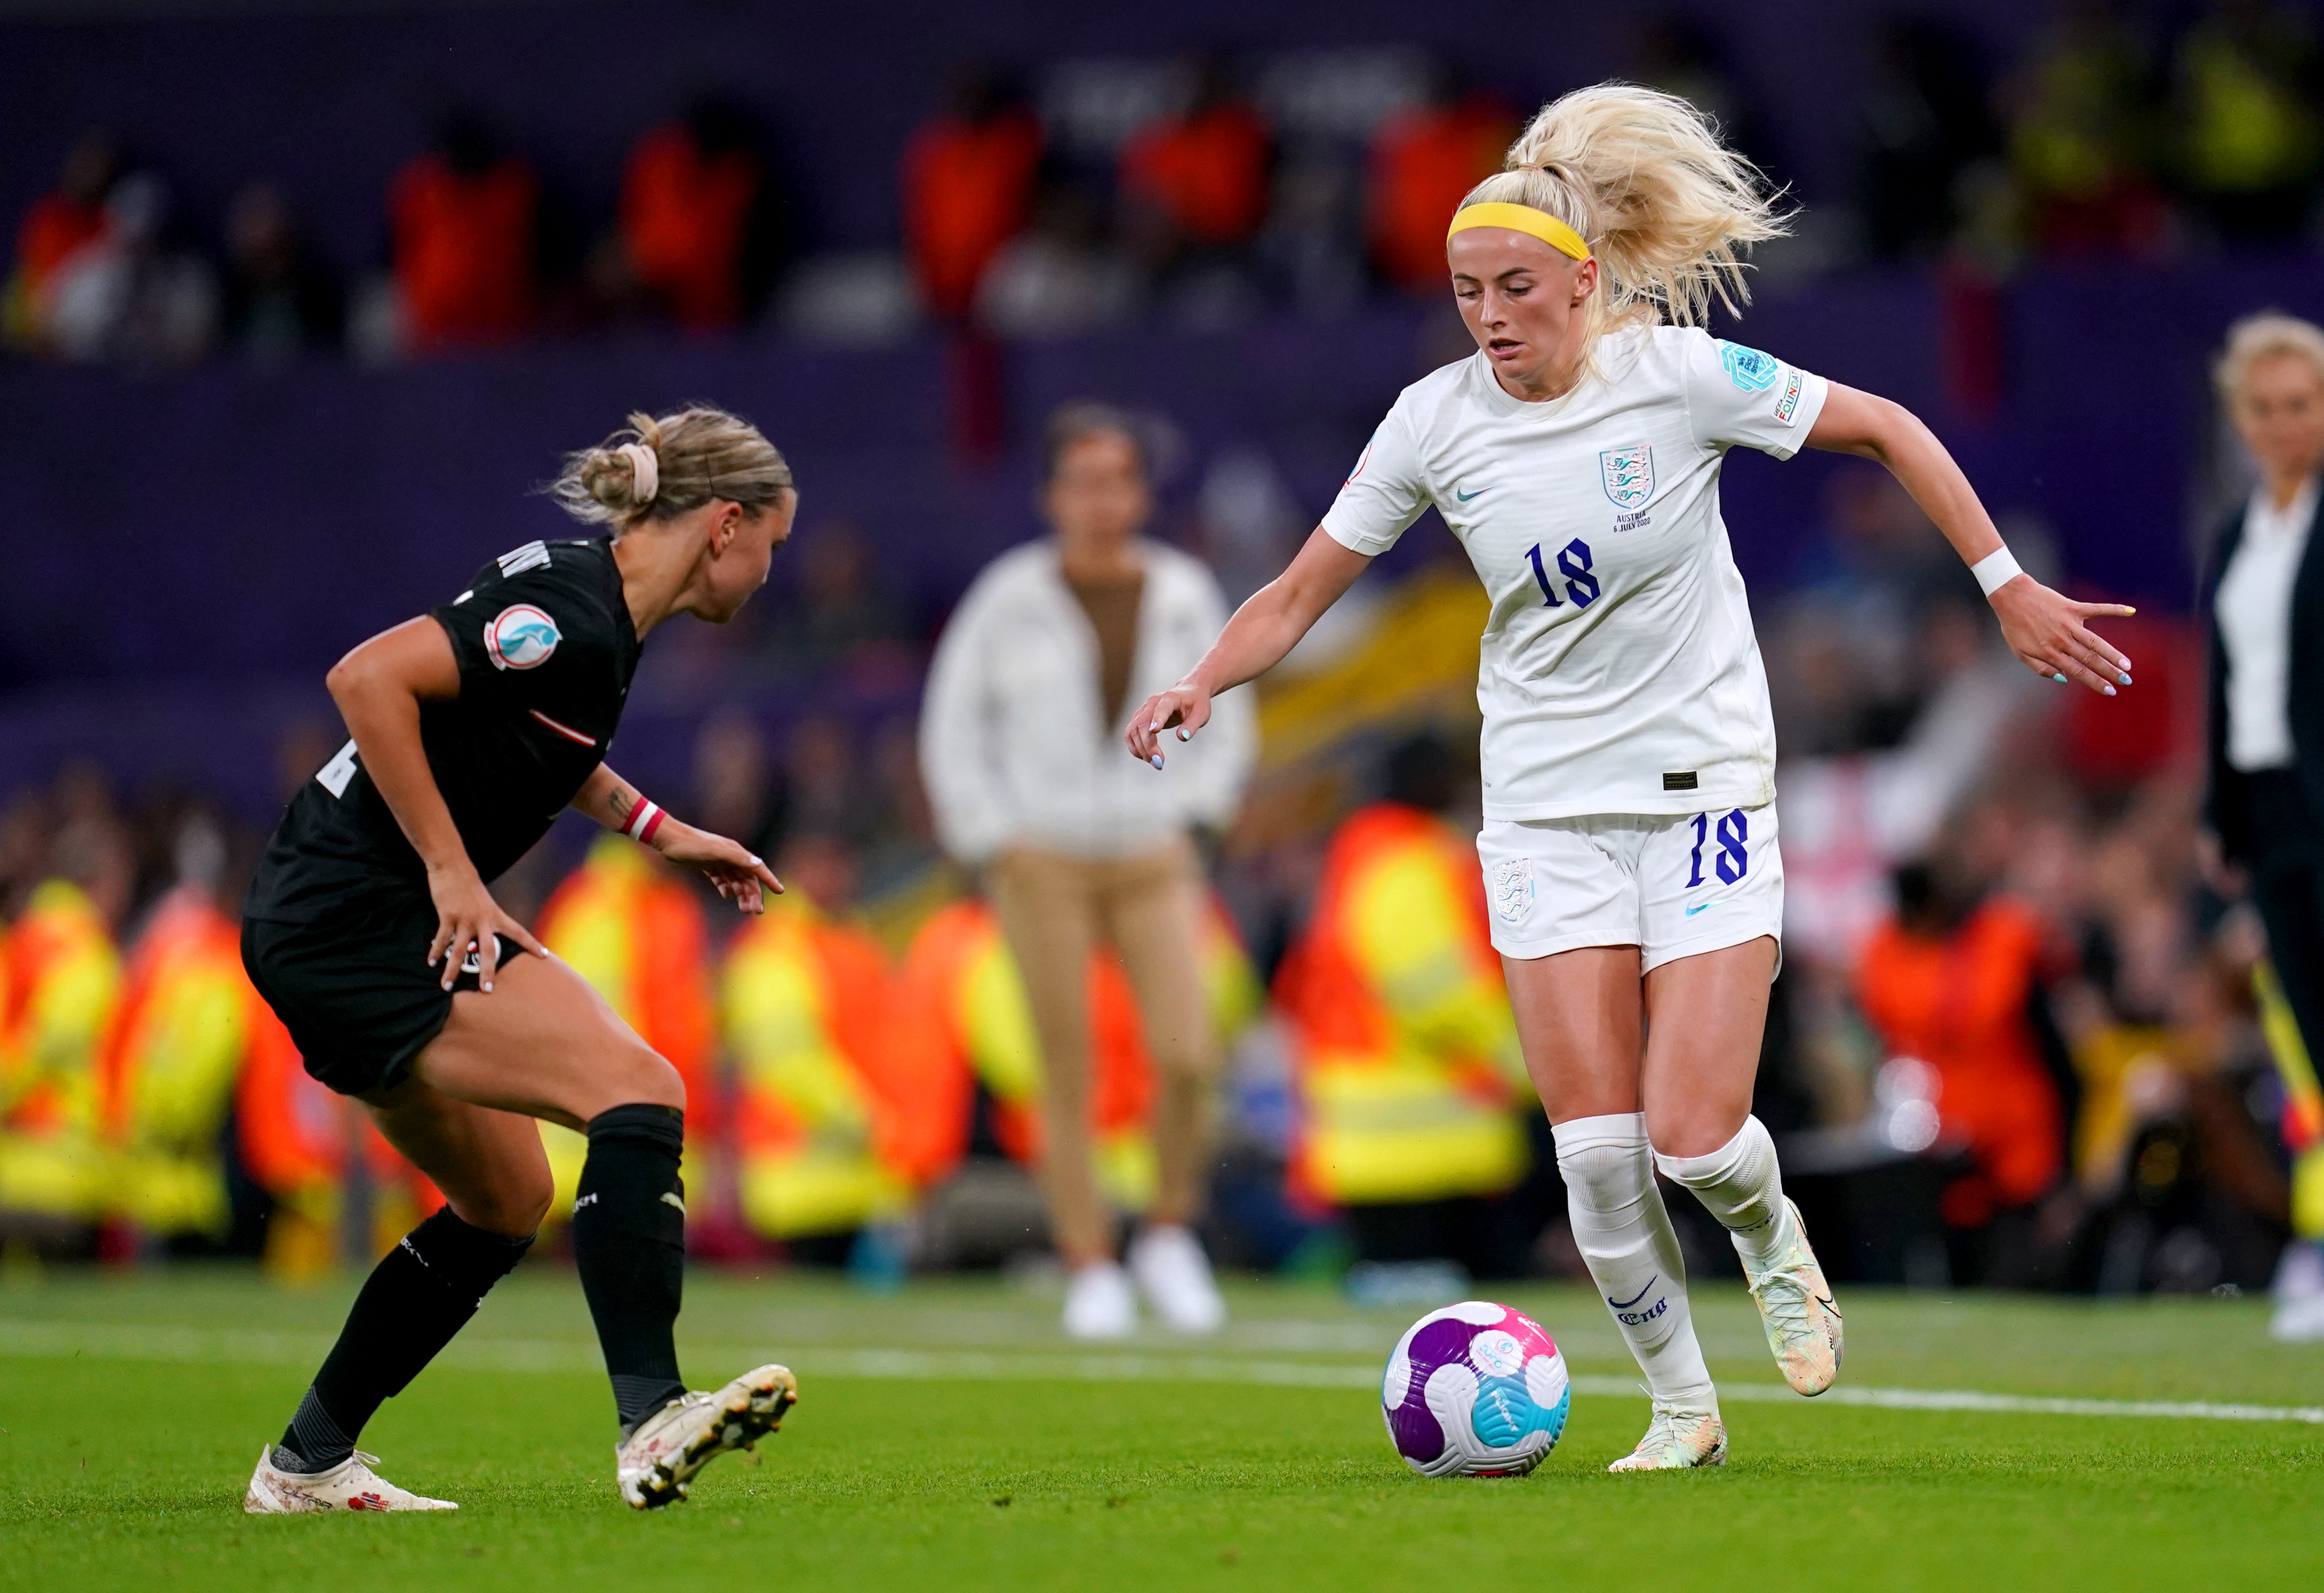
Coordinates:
[520,632]
[1738,396]
[1383,495]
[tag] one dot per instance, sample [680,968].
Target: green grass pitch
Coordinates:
[948,1438]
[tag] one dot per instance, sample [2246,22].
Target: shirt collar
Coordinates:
[2264,519]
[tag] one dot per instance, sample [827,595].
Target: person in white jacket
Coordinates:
[1036,670]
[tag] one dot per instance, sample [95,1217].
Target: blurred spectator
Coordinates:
[1058,276]
[1053,643]
[131,293]
[281,298]
[699,218]
[2244,82]
[1926,117]
[1423,161]
[1953,985]
[967,184]
[465,218]
[58,225]
[187,1022]
[735,790]
[1413,1093]
[1195,184]
[837,1123]
[2265,810]
[822,780]
[2082,136]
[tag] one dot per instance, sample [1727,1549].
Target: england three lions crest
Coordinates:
[1629,474]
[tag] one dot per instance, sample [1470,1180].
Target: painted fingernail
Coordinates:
[1155,728]
[2059,678]
[2123,679]
[2109,691]
[1185,736]
[1156,760]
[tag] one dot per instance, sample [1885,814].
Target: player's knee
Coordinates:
[514,1205]
[650,1080]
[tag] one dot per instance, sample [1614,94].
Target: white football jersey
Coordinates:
[1618,671]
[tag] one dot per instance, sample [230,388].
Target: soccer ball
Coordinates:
[1475,1390]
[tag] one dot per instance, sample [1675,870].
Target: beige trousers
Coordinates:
[1054,910]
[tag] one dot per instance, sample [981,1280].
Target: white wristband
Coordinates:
[1995,571]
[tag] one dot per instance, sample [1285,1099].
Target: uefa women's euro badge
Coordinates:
[521,637]
[1629,474]
[1513,890]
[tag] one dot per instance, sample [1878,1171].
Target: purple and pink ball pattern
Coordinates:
[1475,1390]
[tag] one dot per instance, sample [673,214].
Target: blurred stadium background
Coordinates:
[305,298]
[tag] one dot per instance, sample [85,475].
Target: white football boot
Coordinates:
[1677,1441]
[351,1485]
[1174,1276]
[1098,1303]
[654,1463]
[2298,1291]
[1795,1306]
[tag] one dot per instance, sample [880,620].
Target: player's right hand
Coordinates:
[1186,708]
[468,919]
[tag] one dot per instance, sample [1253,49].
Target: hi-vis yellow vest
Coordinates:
[803,1006]
[1411,1085]
[63,981]
[182,1031]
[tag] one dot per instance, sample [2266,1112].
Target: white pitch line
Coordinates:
[251,1346]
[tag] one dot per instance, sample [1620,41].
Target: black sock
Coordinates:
[410,1306]
[629,1242]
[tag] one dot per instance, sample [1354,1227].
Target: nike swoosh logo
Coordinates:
[1705,906]
[1465,496]
[1827,1304]
[1633,1299]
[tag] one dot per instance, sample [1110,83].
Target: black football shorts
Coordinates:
[356,992]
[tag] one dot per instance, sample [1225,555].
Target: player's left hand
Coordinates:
[741,876]
[2047,630]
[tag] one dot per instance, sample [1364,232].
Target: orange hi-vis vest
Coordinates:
[636,934]
[170,1059]
[835,1125]
[295,1135]
[963,999]
[1959,1005]
[1410,1082]
[62,980]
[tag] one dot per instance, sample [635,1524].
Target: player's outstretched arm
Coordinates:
[379,688]
[739,875]
[2044,628]
[1268,625]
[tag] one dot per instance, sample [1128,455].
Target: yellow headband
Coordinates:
[1523,218]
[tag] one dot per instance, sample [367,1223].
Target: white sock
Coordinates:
[1741,1186]
[1625,1235]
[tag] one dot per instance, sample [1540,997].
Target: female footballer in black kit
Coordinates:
[370,929]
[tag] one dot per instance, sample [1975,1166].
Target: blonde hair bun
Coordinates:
[657,469]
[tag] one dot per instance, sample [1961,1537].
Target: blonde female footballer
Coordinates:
[1629,840]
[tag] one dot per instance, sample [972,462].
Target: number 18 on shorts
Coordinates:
[1672,884]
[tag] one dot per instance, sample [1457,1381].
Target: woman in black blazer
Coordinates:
[2265,598]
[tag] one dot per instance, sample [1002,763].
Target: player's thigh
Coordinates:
[1706,1015]
[1578,1023]
[545,1044]
[489,1164]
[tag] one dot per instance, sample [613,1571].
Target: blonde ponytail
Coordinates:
[1665,207]
[657,469]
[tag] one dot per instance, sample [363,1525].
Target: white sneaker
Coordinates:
[655,1464]
[1795,1307]
[1677,1441]
[1174,1276]
[351,1485]
[1098,1303]
[2298,1291]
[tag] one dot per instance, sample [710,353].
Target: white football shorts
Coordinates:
[1671,885]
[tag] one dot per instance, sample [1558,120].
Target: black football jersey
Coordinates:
[546,649]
